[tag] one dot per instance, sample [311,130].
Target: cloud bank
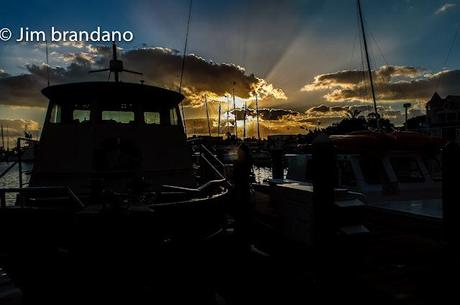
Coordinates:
[159,65]
[392,84]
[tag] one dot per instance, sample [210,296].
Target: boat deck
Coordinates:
[422,208]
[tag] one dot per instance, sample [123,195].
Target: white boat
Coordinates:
[394,174]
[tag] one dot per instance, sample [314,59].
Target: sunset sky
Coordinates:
[303,58]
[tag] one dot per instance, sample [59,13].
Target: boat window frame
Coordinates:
[97,106]
[413,158]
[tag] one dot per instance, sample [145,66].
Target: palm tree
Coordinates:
[353,113]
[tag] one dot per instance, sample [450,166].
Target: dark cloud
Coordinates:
[392,83]
[272,114]
[159,65]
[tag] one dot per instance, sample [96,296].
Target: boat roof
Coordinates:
[111,91]
[362,141]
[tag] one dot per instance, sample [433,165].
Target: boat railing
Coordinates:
[6,171]
[211,160]
[53,191]
[19,157]
[213,167]
[18,161]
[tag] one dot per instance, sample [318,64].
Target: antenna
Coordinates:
[115,66]
[183,62]
[368,64]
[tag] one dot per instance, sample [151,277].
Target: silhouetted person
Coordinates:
[242,198]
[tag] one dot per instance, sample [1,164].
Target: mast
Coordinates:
[234,111]
[228,114]
[7,139]
[244,120]
[183,63]
[257,116]
[207,114]
[218,120]
[3,138]
[368,64]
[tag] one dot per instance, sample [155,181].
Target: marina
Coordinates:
[157,176]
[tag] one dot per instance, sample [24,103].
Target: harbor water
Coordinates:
[11,178]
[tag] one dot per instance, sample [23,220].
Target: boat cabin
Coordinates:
[385,167]
[112,132]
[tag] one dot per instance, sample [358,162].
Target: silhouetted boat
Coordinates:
[112,188]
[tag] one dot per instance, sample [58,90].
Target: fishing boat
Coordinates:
[113,192]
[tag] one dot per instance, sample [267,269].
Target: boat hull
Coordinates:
[149,252]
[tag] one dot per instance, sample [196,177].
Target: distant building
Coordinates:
[443,115]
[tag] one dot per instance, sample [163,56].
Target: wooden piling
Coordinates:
[324,180]
[450,196]
[277,164]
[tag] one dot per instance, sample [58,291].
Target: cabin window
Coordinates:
[346,175]
[433,165]
[152,118]
[81,116]
[81,113]
[407,169]
[121,113]
[123,117]
[56,113]
[173,116]
[373,170]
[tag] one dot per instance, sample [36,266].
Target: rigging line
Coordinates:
[185,47]
[377,45]
[183,63]
[369,68]
[47,63]
[448,55]
[350,65]
[363,90]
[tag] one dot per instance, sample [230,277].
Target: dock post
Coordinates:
[277,164]
[450,186]
[324,180]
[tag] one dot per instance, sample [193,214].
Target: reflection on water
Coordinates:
[11,179]
[263,173]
